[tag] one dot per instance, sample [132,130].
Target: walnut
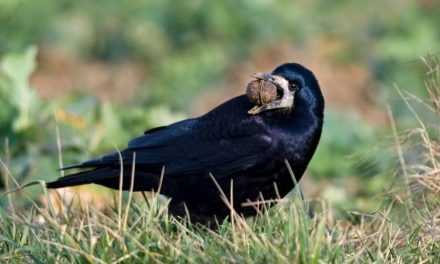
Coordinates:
[261,92]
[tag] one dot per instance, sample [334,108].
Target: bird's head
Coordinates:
[295,84]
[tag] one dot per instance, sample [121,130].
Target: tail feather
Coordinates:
[109,177]
[108,160]
[85,177]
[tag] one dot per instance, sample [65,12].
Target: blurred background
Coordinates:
[93,74]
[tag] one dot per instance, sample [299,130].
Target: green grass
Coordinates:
[138,232]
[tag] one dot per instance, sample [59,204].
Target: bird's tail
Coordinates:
[110,177]
[85,177]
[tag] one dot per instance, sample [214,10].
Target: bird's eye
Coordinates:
[293,86]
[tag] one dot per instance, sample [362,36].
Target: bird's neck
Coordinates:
[311,102]
[303,128]
[307,115]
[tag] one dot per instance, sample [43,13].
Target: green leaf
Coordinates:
[18,67]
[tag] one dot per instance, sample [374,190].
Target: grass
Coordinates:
[405,230]
[287,233]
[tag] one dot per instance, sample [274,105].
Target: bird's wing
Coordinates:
[198,146]
[220,145]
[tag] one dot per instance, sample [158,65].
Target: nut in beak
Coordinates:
[269,92]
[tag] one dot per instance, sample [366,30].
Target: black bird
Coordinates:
[240,150]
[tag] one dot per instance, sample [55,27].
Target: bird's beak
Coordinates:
[284,101]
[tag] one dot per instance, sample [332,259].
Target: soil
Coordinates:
[345,86]
[60,75]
